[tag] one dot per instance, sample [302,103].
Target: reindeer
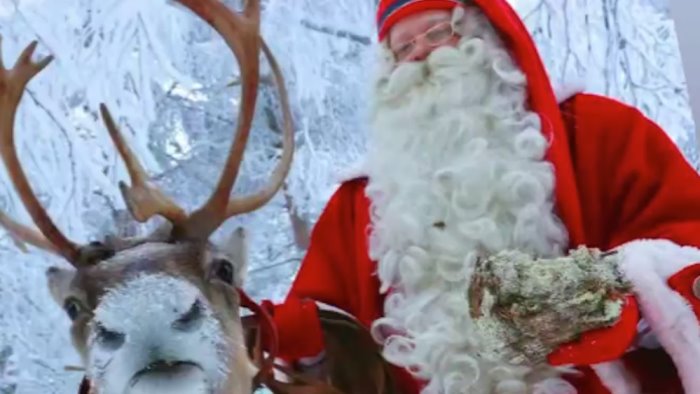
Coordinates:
[161,313]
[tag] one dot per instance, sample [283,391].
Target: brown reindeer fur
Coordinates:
[352,363]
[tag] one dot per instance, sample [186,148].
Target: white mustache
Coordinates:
[402,79]
[441,66]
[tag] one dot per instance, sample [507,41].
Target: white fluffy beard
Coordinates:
[144,310]
[456,171]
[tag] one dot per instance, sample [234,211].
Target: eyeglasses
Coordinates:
[435,36]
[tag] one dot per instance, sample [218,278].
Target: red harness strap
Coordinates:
[268,333]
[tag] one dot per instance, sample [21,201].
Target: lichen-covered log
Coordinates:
[524,308]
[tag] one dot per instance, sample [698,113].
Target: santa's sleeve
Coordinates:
[325,279]
[646,202]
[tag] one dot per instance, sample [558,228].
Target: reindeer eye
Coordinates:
[191,318]
[97,250]
[224,270]
[73,308]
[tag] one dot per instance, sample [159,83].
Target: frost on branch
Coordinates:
[625,49]
[170,83]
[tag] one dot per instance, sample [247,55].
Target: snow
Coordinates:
[143,310]
[164,75]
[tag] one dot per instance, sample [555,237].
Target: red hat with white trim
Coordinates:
[391,11]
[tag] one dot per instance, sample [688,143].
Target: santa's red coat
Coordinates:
[620,181]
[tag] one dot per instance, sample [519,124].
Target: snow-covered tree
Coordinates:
[171,83]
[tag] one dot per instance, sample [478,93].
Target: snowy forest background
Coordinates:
[171,83]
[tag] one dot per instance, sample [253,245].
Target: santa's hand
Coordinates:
[524,309]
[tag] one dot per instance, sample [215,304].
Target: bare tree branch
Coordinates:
[337,33]
[275,265]
[300,225]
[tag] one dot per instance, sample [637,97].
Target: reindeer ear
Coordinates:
[236,247]
[59,282]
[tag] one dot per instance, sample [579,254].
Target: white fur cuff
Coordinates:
[648,264]
[616,378]
[566,89]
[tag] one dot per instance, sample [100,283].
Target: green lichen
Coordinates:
[524,308]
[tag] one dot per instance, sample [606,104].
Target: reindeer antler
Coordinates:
[142,199]
[12,85]
[250,203]
[22,234]
[241,33]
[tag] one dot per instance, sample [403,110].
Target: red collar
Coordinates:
[268,333]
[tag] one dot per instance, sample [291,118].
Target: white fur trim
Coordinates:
[279,375]
[332,308]
[646,337]
[310,361]
[648,264]
[567,89]
[616,378]
[354,171]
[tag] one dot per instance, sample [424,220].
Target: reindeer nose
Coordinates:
[191,319]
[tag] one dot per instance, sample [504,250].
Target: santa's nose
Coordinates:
[420,52]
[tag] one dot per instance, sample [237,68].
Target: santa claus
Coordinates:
[474,164]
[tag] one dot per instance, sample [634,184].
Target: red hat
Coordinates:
[392,11]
